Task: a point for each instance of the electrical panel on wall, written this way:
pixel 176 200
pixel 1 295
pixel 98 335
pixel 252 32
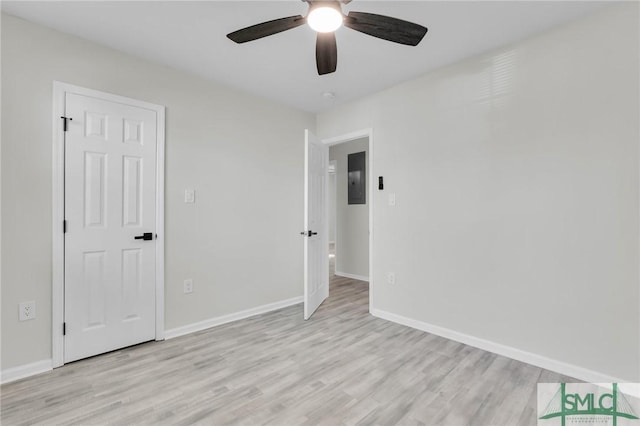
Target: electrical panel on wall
pixel 356 178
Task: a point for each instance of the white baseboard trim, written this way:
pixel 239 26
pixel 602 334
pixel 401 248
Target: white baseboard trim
pixel 22 371
pixel 212 322
pixel 499 349
pixel 352 276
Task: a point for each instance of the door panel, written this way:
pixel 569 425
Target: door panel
pixel 95 284
pixel 316 246
pixel 110 197
pixel 94 186
pixel 132 195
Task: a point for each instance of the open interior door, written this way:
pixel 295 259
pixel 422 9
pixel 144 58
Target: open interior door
pixel 316 242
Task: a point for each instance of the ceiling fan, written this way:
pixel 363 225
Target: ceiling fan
pixel 325 17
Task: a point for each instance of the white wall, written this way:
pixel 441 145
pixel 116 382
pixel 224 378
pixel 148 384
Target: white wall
pixel 352 220
pixel 517 183
pixel 239 152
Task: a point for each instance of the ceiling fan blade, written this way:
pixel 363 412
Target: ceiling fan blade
pixel 386 27
pixel 326 53
pixel 265 29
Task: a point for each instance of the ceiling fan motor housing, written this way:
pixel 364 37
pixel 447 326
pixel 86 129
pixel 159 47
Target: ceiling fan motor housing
pixel 335 4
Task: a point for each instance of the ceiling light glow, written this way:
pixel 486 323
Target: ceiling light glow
pixel 325 19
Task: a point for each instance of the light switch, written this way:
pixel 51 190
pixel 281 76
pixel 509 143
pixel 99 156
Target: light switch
pixel 392 200
pixel 189 195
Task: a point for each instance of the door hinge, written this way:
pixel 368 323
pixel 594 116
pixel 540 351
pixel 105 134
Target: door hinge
pixel 66 120
pixel 64 328
pixel 64 226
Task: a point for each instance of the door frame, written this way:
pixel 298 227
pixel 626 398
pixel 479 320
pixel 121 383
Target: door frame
pixel 60 90
pixel 348 137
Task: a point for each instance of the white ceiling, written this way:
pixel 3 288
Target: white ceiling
pixel 190 35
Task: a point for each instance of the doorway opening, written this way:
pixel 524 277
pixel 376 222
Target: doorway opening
pixel 350 193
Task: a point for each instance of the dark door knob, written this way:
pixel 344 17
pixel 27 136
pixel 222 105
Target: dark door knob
pixel 146 236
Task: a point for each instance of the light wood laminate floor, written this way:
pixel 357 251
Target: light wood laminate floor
pixel 342 367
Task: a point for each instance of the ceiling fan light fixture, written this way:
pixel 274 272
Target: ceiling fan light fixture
pixel 325 19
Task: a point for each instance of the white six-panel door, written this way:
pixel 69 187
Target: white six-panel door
pixel 110 191
pixel 316 246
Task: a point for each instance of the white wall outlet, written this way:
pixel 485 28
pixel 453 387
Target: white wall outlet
pixel 27 310
pixel 391 278
pixel 392 200
pixel 189 195
pixel 188 286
